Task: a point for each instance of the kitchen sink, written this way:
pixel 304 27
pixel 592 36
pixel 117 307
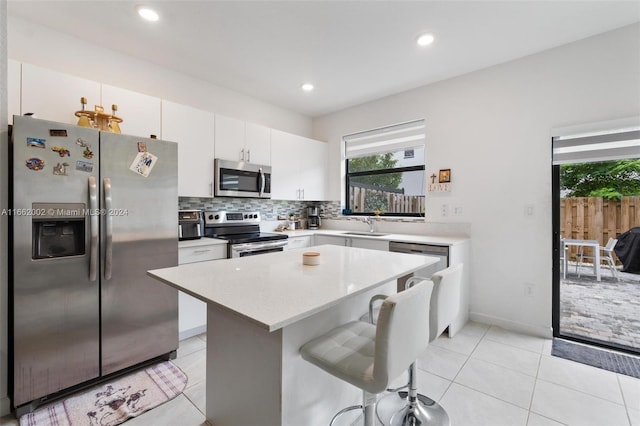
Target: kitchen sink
pixel 366 234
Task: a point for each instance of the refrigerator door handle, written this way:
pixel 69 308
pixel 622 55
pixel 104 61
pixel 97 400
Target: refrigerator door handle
pixel 108 204
pixel 93 229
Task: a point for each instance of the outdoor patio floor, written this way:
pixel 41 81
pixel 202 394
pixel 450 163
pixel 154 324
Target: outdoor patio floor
pixel 608 311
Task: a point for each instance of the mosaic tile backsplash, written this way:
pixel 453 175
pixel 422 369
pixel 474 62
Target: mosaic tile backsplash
pixel 269 209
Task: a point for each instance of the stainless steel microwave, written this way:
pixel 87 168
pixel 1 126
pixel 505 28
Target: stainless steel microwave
pixel 241 179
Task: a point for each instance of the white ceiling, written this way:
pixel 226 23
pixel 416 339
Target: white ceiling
pixel 353 51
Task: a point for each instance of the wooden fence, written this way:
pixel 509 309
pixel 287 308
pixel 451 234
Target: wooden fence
pixel 595 218
pixel 395 202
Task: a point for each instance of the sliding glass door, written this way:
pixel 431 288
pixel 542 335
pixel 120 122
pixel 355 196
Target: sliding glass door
pixel 596 244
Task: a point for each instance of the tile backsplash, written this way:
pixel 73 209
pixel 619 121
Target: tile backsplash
pixel 269 209
pixel 331 213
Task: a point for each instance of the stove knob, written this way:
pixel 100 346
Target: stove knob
pixel 217 217
pixel 211 216
pixel 255 216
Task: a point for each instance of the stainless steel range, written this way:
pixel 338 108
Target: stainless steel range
pixel 242 230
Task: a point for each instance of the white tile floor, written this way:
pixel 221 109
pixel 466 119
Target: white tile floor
pixel 483 376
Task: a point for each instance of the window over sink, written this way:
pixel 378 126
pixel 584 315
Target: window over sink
pixel 386 171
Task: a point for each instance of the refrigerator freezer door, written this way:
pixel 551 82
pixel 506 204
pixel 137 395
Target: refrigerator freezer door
pixel 55 303
pixel 139 229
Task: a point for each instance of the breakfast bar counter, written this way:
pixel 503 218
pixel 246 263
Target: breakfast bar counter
pixel 261 309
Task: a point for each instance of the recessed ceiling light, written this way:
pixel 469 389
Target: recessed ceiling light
pixel 307 87
pixel 425 39
pixel 147 13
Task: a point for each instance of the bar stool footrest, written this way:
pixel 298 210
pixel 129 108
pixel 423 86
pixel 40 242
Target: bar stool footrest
pixel 344 411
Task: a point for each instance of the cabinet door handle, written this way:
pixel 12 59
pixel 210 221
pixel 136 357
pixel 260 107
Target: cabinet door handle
pixel 248 155
pixel 211 188
pixel 242 154
pixel 201 251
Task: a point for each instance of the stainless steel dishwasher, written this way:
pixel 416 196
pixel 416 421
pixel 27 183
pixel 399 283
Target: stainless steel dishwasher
pixel 441 252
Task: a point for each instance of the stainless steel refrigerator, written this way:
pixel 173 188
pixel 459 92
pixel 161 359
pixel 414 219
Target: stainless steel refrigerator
pixel 91 213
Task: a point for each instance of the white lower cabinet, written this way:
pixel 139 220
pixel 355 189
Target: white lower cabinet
pixel 337 240
pixel 296 243
pixel 192 313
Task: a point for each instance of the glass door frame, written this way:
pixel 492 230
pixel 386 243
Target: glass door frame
pixel 556 274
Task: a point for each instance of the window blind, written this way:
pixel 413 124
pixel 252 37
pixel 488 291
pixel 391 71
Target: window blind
pixel 588 148
pixel 386 139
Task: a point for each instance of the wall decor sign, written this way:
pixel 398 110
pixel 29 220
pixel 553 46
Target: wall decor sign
pixel 444 176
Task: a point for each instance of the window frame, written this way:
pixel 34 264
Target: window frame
pixel 348 176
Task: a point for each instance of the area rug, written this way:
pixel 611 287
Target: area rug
pixel 597 357
pixel 113 402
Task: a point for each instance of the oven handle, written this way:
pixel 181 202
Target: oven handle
pixel 248 247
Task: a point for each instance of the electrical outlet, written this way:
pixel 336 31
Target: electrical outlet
pixel 457 210
pixel 528 209
pixel 444 210
pixel 275 211
pixel 528 289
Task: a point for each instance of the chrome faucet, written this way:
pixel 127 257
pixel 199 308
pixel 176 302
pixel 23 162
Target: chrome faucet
pixel 369 220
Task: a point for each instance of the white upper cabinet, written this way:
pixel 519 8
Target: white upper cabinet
pixel 229 138
pixel 193 130
pixel 55 96
pixel 140 113
pixel 299 167
pixel 257 144
pixel 236 140
pixel 13 89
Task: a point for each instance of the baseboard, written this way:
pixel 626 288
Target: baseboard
pixel 5 406
pixel 539 331
pixel 183 335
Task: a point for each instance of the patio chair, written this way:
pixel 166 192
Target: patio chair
pixel 606 254
pixel 564 260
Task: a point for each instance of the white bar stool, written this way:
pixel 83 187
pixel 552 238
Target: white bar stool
pixel 408 408
pixel 371 356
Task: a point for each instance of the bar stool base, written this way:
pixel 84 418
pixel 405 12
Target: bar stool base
pixel 394 410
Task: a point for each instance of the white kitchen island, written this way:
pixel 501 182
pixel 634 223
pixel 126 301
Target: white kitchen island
pixel 261 309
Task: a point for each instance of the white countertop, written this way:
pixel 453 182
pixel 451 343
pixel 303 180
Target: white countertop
pixel 274 290
pixel 201 242
pixel 407 238
pixel 419 239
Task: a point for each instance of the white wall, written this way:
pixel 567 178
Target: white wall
pixel 492 128
pixel 38 45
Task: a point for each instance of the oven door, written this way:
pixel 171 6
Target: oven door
pixel 233 179
pixel 252 249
